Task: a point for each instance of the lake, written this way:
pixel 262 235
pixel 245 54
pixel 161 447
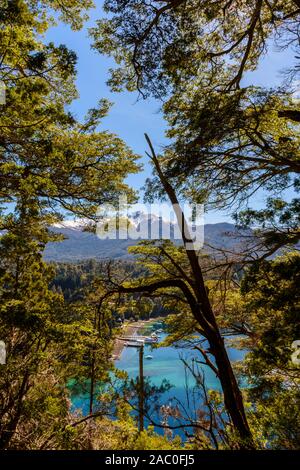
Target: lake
pixel 166 364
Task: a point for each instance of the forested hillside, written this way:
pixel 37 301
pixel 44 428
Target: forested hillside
pixel 78 244
pixel 72 306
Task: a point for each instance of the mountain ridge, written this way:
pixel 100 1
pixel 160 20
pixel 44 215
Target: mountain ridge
pixel 80 245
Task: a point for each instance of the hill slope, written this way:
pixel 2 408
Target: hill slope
pixel 80 245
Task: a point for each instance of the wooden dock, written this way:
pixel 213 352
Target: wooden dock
pixel 129 331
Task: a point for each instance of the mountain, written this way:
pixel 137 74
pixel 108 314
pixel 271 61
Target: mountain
pixel 80 244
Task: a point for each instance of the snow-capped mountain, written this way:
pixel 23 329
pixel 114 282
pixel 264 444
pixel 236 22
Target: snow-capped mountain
pixel 77 224
pixel 80 244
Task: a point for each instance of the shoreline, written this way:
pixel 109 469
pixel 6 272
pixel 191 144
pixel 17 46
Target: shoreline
pixel 129 329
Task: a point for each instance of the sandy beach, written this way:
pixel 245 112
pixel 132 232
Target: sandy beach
pixel 129 329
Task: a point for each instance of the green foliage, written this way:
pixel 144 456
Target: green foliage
pixel 276 419
pixel 227 141
pixel 74 279
pixel 45 154
pixel 266 313
pixel 48 343
pixel 160 47
pixel 41 14
pixel 49 164
pixel 33 323
pixel 270 292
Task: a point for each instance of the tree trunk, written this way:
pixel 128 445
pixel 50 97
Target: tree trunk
pixel 10 428
pixel 233 399
pixel 201 307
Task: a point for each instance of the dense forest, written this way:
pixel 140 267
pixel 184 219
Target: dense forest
pixel 229 142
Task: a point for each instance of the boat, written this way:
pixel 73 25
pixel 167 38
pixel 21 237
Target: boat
pixel 150 340
pixel 149 356
pixel 154 335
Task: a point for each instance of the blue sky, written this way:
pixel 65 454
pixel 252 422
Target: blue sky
pixel 130 117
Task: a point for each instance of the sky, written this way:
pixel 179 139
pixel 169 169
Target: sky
pixel 130 117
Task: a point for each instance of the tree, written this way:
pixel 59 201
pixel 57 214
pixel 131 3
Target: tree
pixel 268 305
pixel 228 142
pixel 50 165
pixel 45 153
pixel 32 325
pixel 190 283
pixel 180 40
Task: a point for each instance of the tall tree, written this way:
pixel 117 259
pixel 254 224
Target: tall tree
pixel 190 282
pixel 181 39
pixel 228 141
pixel 45 152
pixel 50 165
pixel 265 311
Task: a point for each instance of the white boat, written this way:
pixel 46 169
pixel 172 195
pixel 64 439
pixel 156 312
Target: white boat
pixel 151 340
pixel 154 335
pixel 149 356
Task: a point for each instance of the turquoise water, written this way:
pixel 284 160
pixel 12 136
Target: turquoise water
pixel 166 364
